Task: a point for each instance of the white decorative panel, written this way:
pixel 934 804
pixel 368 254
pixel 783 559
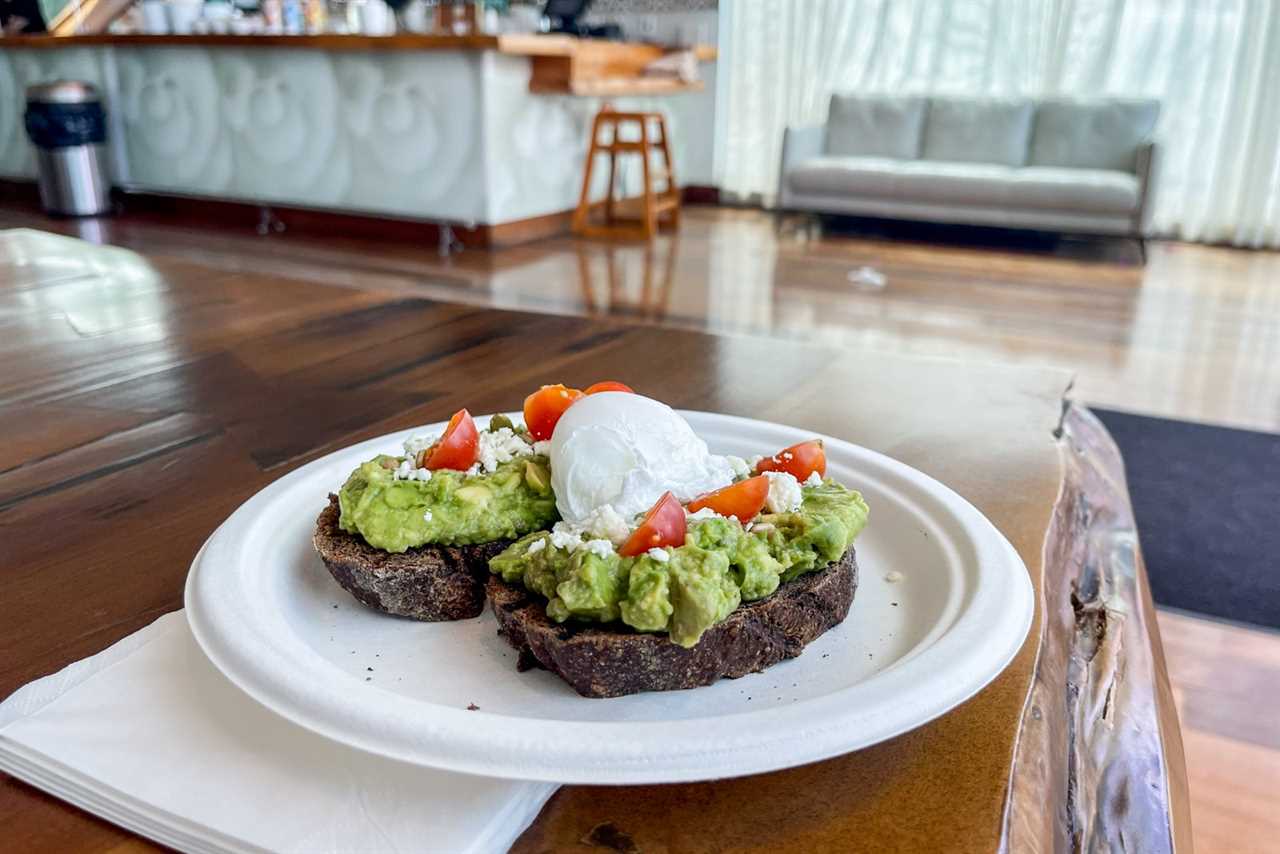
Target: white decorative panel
pixel 412 132
pixel 534 144
pixel 169 107
pixel 382 132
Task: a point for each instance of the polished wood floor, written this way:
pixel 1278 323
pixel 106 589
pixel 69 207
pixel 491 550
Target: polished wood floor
pixel 1194 334
pixel 1226 684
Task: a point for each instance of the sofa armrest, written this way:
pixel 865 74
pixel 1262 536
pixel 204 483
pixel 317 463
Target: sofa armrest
pixel 1144 167
pixel 798 145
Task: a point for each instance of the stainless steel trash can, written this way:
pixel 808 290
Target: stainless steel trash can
pixel 68 127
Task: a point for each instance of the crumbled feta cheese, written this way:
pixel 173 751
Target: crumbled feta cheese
pixel 542 447
pixel 604 524
pixel 752 462
pixel 407 470
pixel 500 446
pixel 784 492
pixel 893 576
pixel 426 516
pixel 607 523
pixel 414 445
pixel 704 513
pixel 814 479
pixel 536 546
pixel 600 548
pixel 565 536
pixel 739 466
pixel 660 555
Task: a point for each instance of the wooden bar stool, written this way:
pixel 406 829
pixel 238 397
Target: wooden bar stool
pixel 638 217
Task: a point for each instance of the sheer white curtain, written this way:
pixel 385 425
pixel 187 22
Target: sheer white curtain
pixel 1215 65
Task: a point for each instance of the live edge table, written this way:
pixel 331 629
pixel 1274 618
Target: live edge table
pixel 143 400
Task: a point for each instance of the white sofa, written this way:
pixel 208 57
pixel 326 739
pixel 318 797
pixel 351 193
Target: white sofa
pixel 1068 165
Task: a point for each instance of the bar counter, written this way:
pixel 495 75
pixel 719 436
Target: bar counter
pixel 475 130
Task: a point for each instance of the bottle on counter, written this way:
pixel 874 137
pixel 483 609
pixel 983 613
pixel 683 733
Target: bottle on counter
pixel 272 16
pixel 291 17
pixel 316 16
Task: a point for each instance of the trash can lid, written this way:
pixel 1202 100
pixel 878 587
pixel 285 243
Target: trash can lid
pixel 62 92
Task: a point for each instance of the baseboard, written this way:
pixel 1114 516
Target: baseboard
pixel 700 194
pixel 527 230
pixel 222 213
pixel 22 193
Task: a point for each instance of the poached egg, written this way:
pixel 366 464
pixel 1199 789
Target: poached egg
pixel 625 450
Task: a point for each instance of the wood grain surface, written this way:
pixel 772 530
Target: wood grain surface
pixel 144 399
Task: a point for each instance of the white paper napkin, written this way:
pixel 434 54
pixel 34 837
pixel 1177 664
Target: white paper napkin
pixel 148 735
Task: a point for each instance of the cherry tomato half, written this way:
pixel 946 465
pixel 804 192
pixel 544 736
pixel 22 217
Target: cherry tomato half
pixel 743 499
pixel 663 525
pixel 543 409
pixel 609 385
pixel 458 448
pixel 799 460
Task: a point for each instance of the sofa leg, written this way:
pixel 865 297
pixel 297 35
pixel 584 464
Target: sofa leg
pixel 779 221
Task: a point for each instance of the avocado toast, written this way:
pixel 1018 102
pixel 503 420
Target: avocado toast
pixel 615 661
pixel 411 535
pixel 721 598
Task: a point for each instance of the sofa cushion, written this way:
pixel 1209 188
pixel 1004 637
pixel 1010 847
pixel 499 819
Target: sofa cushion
pixel 1091 134
pixel 939 182
pixel 875 126
pixel 845 176
pixel 1053 188
pixel 978 130
pixel 967 184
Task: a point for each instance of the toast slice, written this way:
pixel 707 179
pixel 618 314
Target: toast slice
pixel 431 583
pixel 617 660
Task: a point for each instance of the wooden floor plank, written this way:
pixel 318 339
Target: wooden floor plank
pixel 1226 683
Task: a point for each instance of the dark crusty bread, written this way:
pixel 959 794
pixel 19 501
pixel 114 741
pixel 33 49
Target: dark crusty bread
pixel 431 583
pixel 611 662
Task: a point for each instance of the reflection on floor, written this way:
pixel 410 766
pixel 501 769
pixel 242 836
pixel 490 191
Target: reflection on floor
pixel 1194 334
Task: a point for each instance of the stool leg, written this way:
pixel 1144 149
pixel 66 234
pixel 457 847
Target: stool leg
pixel 672 187
pixel 584 200
pixel 613 175
pixel 650 215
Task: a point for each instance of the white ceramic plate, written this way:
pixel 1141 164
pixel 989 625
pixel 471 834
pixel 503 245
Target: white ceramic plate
pixel 268 614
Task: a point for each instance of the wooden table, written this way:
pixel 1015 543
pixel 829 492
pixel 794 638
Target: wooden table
pixel 142 400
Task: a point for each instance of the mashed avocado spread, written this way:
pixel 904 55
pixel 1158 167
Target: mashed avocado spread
pixel 698 584
pixel 395 513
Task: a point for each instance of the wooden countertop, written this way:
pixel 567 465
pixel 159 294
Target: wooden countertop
pixel 561 64
pixel 1074 746
pixel 519 45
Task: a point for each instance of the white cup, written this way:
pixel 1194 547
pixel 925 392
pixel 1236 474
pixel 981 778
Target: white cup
pixel 415 17
pixel 375 18
pixel 155 20
pixel 183 15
